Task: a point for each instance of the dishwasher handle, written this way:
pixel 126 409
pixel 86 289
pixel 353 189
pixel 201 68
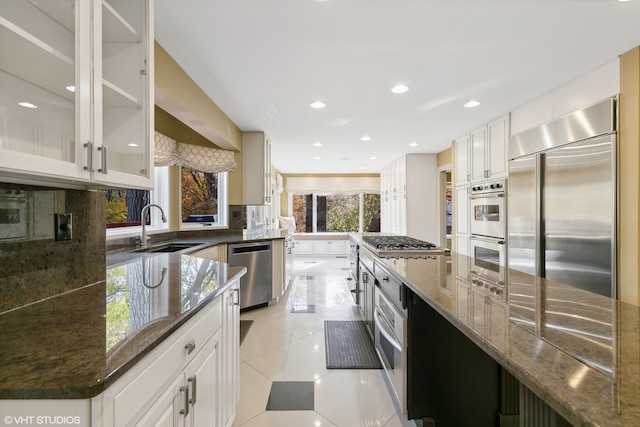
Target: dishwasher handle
pixel 243 249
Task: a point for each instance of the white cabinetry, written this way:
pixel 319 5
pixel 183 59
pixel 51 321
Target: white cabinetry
pixel 308 246
pixel 191 399
pixel 303 247
pixel 277 268
pixel 490 146
pixel 409 197
pixel 463 175
pixel 229 391
pixel 85 68
pixel 256 169
pixel 462 210
pixel 330 247
pixel 478 153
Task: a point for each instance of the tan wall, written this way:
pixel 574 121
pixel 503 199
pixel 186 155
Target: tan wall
pixel 445 158
pixel 629 161
pixel 181 97
pixel 178 95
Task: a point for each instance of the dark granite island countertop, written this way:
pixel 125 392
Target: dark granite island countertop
pixel 578 351
pixel 75 344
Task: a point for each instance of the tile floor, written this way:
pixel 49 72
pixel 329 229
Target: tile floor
pixel 283 359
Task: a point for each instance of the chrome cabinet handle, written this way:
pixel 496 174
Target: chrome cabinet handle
pixel 193 381
pixel 236 291
pixel 185 411
pixel 89 147
pixel 103 159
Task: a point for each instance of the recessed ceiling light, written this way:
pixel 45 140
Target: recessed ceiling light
pixel 316 158
pixel 27 104
pixel 132 144
pixel 70 88
pixel 365 138
pixel 317 144
pixel 413 144
pixel 623 1
pixel 373 158
pixel 317 105
pixel 472 103
pixel 400 88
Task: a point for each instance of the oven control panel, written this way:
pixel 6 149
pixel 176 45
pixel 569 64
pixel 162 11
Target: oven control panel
pixel 490 187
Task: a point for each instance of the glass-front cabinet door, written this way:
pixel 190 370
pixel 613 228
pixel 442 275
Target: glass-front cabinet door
pixel 75 99
pixel 42 93
pixel 122 56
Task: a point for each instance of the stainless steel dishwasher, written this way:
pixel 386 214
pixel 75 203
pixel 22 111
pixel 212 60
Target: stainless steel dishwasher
pixel 255 286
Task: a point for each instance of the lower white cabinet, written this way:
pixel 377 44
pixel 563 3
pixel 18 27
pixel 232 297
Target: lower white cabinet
pixel 192 379
pixel 229 390
pixel 321 247
pixel 172 384
pixel 192 398
pixel 330 247
pixel 303 247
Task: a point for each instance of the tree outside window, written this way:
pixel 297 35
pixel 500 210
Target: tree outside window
pixel 335 213
pixel 199 196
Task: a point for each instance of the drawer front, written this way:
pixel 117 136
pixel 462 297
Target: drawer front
pixel 137 389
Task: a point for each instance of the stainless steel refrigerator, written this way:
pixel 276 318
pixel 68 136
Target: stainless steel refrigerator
pixel 562 199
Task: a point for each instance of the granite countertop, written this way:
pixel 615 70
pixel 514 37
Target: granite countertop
pixel 75 344
pixel 578 351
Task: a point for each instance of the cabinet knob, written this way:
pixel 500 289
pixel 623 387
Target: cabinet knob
pixel 190 346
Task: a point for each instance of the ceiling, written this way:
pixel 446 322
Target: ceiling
pixel 263 62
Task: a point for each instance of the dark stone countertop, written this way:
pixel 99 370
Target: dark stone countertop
pixel 578 351
pixel 75 344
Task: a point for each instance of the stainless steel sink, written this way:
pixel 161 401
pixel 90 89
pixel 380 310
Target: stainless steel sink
pixel 170 247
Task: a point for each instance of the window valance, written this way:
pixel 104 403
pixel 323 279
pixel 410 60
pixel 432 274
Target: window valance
pixel 169 152
pixel 333 185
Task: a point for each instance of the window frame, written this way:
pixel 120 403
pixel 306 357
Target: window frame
pixel 223 206
pixel 159 197
pixel 314 197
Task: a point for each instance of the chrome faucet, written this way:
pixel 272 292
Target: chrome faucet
pixel 143 214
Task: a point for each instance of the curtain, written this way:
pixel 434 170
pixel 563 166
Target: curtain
pixel 333 185
pixel 169 152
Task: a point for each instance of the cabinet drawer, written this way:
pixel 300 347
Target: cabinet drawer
pixel 137 389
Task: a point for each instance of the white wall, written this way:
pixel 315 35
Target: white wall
pixel 589 89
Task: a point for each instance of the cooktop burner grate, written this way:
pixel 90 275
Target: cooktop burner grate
pixel 399 245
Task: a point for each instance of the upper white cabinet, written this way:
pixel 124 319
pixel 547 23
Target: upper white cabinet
pixel 497 152
pixel 483 154
pixel 478 146
pixel 408 202
pixel 490 145
pixel 75 79
pixel 256 169
pixel 463 174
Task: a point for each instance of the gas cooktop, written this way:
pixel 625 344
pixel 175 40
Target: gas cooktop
pixel 400 246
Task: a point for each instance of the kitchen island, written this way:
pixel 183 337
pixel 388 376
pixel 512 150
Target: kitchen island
pixel 82 353
pixel 577 351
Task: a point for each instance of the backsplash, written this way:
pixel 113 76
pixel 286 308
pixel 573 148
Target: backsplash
pixel 39 267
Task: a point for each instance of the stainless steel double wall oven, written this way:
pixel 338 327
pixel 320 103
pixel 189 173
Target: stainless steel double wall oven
pixel 488 249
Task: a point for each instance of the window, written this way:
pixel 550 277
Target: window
pixel 336 213
pixel 124 206
pixel 300 212
pixel 341 213
pixel 203 198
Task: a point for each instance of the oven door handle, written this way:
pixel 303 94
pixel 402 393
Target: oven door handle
pixel 487 240
pixel 486 195
pixel 382 327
